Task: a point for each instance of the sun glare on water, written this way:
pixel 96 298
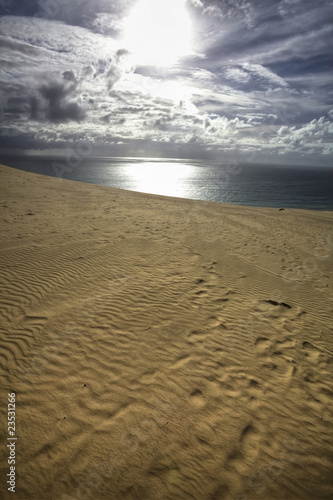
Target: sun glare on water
pixel 157 32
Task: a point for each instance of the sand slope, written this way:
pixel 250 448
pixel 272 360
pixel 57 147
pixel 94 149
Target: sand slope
pixel 163 348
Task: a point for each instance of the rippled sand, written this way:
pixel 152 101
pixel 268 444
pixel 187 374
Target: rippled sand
pixel 162 348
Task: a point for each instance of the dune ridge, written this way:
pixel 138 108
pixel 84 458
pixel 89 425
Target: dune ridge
pixel 163 348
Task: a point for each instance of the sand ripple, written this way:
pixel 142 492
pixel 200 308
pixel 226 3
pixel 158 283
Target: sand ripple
pixel 159 349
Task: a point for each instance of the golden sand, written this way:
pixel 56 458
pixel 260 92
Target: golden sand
pixel 162 348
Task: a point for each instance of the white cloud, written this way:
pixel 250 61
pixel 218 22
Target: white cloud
pixel 237 75
pixel 106 23
pixel 57 43
pixel 257 70
pixel 220 10
pixel 303 45
pixel 316 135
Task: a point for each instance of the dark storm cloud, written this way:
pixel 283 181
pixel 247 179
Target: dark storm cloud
pixel 54 101
pixel 57 105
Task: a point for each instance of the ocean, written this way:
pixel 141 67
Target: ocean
pixel 238 183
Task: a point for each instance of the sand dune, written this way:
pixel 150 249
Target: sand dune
pixel 162 348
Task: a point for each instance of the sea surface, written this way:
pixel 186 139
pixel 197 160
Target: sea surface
pixel 239 183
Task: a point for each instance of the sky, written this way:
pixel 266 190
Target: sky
pixel 247 80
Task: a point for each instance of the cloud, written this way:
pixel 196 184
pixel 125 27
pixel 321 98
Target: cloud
pixel 83 13
pixel 117 67
pixel 57 103
pixel 237 75
pixel 259 71
pixel 259 77
pixel 227 9
pixel 51 95
pixel 318 134
pixel 107 24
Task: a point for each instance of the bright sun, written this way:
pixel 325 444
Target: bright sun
pixel 157 32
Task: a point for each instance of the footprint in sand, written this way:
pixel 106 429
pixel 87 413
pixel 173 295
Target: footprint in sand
pixel 249 443
pixel 197 399
pixel 199 281
pixel 213 322
pixel 277 354
pixel 310 351
pixel 313 358
pixel 262 345
pixel 196 336
pixel 247 448
pixel 254 389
